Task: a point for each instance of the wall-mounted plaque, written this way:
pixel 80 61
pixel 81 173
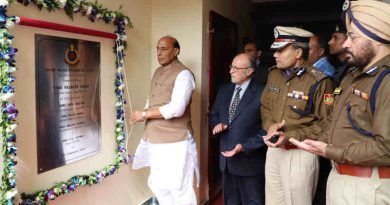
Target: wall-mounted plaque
pixel 68 100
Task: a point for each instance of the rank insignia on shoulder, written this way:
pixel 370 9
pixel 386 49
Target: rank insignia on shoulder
pixel 301 71
pixel 328 99
pixel 337 91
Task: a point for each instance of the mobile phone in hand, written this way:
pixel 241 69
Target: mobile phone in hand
pixel 274 139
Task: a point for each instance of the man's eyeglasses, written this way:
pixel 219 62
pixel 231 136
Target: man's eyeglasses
pixel 237 68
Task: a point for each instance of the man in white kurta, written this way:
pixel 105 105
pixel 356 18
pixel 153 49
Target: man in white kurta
pixel 167 145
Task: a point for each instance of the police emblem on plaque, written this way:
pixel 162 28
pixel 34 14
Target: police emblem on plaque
pixel 72 55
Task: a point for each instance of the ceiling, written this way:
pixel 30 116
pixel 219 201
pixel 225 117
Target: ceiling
pixel 317 16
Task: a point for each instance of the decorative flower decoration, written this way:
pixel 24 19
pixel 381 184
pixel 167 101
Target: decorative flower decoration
pixel 94 11
pixel 3 3
pixel 8 109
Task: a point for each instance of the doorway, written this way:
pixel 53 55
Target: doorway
pixel 222 49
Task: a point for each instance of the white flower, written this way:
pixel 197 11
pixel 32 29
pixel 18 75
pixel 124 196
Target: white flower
pixel 10 175
pixel 7 96
pixel 89 10
pixel 11 128
pixel 120 48
pixel 17 19
pixel 98 16
pixel 10 194
pixel 4 3
pixel 120 69
pixel 123 37
pixel 126 22
pixel 113 15
pixel 121 87
pixel 62 3
pixel 118 129
pixel 10 69
pixel 9 24
pixel 118 104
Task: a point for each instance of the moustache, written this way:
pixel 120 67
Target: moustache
pixel 348 52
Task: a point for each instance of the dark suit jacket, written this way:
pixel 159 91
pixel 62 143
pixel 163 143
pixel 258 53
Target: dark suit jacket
pixel 244 129
pixel 261 73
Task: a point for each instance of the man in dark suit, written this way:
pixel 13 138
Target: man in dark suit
pixel 261 69
pixel 235 116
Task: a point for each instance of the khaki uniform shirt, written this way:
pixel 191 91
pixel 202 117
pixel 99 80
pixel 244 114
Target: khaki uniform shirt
pixel 345 143
pixel 282 94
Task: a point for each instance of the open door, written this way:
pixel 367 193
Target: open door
pixel 222 49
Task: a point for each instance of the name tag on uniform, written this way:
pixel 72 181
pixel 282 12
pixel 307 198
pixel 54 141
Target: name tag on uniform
pixel 273 88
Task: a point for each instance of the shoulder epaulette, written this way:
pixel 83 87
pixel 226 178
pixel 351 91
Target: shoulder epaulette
pixel 317 74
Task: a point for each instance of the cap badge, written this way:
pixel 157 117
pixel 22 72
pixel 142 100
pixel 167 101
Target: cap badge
pixel 276 33
pixel 337 29
pixel 346 5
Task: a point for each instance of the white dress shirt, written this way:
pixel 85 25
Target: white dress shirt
pixel 181 95
pixel 244 86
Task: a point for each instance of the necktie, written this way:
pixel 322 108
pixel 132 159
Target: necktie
pixel 235 102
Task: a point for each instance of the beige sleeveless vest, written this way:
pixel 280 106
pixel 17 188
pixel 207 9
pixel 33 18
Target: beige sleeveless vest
pixel 161 130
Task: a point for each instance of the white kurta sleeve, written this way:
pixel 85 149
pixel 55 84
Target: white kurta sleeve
pixel 181 95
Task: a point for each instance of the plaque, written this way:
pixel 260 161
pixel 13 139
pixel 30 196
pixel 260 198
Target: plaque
pixel 67 100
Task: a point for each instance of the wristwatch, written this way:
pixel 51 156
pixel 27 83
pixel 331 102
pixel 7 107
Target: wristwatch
pixel 143 114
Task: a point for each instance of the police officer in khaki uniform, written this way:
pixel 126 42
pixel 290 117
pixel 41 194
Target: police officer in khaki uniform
pixel 294 104
pixel 358 137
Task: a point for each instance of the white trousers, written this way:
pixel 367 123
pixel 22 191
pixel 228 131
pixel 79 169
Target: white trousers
pixel 172 167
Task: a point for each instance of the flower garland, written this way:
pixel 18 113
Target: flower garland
pixel 8 109
pixel 8 124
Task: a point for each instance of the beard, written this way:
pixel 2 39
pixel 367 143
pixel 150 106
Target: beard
pixel 364 55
